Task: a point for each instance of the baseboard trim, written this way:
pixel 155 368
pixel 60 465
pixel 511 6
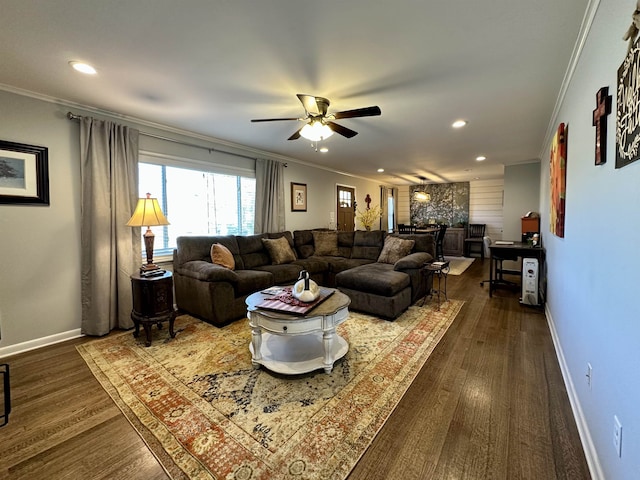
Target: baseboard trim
pixel 39 342
pixel 589 448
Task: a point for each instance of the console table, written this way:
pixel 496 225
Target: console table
pixel 453 242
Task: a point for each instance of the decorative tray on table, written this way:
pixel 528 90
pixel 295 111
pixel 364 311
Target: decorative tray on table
pixel 284 301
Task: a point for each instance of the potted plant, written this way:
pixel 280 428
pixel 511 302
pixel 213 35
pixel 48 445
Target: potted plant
pixel 369 216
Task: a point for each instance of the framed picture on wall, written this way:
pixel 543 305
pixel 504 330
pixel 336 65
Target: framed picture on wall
pixel 24 174
pixel 558 181
pixel 628 109
pixel 298 197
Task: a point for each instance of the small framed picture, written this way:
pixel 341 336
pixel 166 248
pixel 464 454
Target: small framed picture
pixel 298 197
pixel 24 174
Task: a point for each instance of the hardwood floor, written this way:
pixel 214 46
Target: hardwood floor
pixel 489 403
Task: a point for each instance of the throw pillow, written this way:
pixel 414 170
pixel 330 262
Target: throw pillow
pixel 221 255
pixel 394 249
pixel 325 243
pixel 279 250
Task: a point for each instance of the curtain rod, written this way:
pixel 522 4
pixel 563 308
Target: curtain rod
pixel 73 116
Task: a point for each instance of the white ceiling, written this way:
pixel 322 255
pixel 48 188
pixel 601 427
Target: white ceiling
pixel 211 66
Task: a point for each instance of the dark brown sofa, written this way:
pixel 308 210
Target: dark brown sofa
pixel 217 294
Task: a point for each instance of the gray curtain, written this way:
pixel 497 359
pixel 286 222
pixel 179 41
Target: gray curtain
pixel 269 196
pixel 111 251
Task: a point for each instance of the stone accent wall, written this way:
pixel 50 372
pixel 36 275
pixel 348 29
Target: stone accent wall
pixel 449 204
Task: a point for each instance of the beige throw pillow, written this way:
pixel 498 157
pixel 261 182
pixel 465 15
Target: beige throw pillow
pixel 279 250
pixel 221 255
pixel 394 249
pixel 325 243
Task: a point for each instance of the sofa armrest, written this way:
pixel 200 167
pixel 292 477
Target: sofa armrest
pixel 207 271
pixel 413 260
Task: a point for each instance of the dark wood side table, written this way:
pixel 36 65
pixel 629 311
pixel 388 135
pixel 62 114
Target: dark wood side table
pixel 152 303
pixel 439 270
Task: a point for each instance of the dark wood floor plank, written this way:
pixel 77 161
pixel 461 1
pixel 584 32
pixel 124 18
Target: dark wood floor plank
pixel 497 422
pixel 490 403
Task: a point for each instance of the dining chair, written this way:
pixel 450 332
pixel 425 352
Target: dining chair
pixel 475 235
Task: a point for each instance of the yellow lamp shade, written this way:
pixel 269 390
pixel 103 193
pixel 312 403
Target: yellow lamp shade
pixel 147 213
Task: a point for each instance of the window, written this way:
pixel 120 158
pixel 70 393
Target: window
pixel 197 202
pixel 390 212
pixel 345 198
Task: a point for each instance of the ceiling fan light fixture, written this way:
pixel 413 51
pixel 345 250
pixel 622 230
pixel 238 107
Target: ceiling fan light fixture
pixel 316 131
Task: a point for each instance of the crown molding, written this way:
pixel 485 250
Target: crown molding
pixel 212 141
pixel 585 28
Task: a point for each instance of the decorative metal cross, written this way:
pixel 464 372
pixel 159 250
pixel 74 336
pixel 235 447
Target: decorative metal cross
pixel 603 108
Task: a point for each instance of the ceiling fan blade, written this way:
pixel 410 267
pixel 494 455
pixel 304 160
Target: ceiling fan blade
pixel 273 119
pixel 359 112
pixel 314 105
pixel 296 135
pixel 344 131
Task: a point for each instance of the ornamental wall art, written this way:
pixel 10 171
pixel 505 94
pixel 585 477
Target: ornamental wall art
pixel 628 109
pixel 558 179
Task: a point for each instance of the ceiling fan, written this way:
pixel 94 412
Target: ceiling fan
pixel 319 125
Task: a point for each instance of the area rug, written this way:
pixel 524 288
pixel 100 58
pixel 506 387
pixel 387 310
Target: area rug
pixel 206 413
pixel 457 265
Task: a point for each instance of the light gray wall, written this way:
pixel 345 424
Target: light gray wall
pixel 521 195
pixel 40 246
pixel 321 195
pixel 592 272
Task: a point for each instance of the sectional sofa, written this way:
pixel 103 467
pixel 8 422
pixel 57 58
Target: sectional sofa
pixel 380 272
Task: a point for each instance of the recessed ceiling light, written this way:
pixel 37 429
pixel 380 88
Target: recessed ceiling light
pixel 83 68
pixel 459 123
pixel 481 158
pixel 324 149
pixel 380 170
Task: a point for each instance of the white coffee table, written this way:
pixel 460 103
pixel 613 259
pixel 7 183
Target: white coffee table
pixel 294 344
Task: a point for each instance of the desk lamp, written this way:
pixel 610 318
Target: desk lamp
pixel 147 214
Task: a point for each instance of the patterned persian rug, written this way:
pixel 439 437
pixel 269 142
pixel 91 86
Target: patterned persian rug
pixel 206 413
pixel 457 265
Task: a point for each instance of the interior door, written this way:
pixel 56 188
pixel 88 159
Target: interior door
pixel 346 209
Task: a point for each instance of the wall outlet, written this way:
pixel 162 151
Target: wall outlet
pixel 589 375
pixel 617 435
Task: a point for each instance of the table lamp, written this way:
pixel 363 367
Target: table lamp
pixel 147 214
